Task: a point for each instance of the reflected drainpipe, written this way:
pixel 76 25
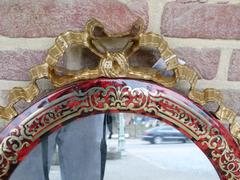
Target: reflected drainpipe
pixel 121 134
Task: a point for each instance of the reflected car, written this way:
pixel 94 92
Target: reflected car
pixel 161 134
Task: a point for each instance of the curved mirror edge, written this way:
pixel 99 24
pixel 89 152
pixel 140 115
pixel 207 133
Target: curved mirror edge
pixel 138 147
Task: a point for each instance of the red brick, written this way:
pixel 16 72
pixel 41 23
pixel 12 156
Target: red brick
pixel 201 20
pixel 234 68
pixel 14 65
pixel 27 18
pixel 232 100
pixel 204 60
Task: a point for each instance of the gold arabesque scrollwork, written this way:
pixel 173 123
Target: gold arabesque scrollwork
pixel 116 64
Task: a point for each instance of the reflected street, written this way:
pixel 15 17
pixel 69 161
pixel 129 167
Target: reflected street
pixel 167 161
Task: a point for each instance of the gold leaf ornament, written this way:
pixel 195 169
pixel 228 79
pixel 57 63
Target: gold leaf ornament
pixel 116 64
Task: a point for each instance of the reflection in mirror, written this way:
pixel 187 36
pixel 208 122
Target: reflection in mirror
pixel 138 148
pixel 151 149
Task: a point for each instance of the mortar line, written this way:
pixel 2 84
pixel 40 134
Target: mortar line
pixel 224 63
pixel 9 84
pixel 155 14
pixel 219 84
pixel 202 43
pixel 12 44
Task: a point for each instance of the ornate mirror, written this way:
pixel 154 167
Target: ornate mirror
pixel 117 84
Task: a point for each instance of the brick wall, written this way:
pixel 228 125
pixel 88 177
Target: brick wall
pixel 206 33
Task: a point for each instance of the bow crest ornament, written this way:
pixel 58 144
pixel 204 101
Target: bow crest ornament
pixel 116 65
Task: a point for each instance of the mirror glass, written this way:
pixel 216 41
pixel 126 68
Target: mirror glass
pixel 138 148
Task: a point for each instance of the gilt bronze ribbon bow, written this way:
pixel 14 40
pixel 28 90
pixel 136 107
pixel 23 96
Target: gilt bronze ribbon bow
pixel 116 65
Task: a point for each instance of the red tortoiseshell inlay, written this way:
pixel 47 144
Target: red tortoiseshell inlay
pixel 119 95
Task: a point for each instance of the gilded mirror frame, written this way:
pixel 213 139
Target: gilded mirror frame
pixel 116 86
